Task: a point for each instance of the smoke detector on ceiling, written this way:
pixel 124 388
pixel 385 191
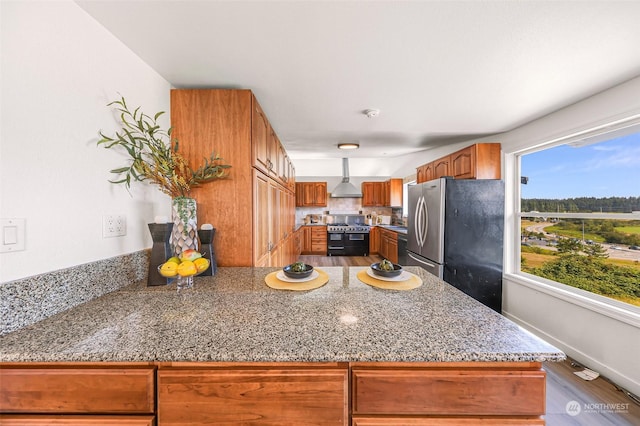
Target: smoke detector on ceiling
pixel 370 113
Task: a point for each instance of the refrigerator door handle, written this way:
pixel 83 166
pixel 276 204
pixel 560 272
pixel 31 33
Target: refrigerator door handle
pixel 416 220
pixel 422 261
pixel 425 213
pixel 421 221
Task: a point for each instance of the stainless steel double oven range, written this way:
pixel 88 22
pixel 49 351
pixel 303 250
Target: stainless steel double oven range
pixel 347 235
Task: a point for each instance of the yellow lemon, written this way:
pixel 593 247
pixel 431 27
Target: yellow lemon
pixel 174 260
pixel 187 268
pixel 201 264
pixel 169 269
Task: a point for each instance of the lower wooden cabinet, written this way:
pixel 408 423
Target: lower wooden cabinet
pixel 83 390
pixel 270 396
pixel 388 245
pixel 64 420
pixel 314 240
pixel 495 393
pixel 333 393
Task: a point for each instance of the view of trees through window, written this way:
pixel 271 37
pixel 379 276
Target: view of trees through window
pixel 580 216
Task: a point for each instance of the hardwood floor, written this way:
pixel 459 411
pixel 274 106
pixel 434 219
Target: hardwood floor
pixel 601 403
pixel 339 260
pixel 563 387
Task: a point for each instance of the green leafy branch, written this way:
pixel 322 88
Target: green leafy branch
pixel 153 159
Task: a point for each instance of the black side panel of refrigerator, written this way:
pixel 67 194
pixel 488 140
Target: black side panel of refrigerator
pixel 474 232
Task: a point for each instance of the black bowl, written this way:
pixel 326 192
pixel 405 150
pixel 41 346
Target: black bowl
pixel 297 275
pixel 397 270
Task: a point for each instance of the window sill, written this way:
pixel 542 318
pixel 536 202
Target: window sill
pixel 628 314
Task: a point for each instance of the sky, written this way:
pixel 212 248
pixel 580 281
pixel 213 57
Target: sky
pixel 606 169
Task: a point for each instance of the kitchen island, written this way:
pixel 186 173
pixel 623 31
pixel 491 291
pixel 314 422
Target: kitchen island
pixel 233 350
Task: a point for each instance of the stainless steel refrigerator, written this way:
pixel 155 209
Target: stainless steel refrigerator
pixel 456 230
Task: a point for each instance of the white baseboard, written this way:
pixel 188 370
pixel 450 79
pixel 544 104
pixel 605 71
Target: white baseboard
pixel 586 360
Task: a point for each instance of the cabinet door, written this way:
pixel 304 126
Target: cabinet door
pixel 77 390
pixel 273 154
pixel 261 219
pixel 395 193
pixel 449 392
pixel 320 194
pixel 392 250
pixel 253 396
pixel 300 187
pixel 78 420
pixel 374 240
pixel 441 167
pixel 367 194
pixel 420 174
pixel 463 163
pixel 260 133
pixel 429 173
pixel 306 240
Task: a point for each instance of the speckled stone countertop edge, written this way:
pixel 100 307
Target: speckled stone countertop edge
pixel 235 317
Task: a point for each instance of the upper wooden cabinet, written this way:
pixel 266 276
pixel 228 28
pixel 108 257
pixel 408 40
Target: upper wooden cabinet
pixel 382 194
pixel 232 124
pixel 311 194
pixel 479 161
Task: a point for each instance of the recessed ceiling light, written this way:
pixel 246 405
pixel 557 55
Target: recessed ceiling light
pixel 348 145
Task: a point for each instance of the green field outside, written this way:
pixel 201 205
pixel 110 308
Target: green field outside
pixel 628 229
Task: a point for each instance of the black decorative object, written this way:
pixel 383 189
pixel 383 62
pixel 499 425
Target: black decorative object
pixel 160 252
pixel 206 248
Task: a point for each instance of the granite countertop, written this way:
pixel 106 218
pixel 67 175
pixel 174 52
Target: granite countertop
pixel 395 228
pixel 234 316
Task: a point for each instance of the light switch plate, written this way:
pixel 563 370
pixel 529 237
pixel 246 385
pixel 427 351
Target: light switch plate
pixel 12 235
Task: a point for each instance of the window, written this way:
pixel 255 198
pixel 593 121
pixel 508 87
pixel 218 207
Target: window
pixel 580 215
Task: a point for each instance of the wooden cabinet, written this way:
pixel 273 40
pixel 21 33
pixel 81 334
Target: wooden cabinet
pixel 372 194
pixel 441 167
pixel 319 240
pixel 479 161
pixel 314 240
pixel 74 420
pixel 382 194
pixel 84 394
pixel 374 240
pixel 311 194
pixel 373 393
pixel 388 245
pixel 232 124
pixel 456 393
pixel 257 394
pixel 306 239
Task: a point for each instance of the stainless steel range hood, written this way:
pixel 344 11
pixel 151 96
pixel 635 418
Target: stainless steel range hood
pixel 345 189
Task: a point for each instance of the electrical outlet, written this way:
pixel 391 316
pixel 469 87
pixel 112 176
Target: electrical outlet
pixel 114 226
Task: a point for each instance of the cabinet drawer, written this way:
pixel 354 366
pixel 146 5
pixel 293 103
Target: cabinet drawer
pixel 77 390
pixel 265 396
pixel 449 392
pixel 42 420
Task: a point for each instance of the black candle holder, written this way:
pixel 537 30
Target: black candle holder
pixel 206 247
pixel 160 252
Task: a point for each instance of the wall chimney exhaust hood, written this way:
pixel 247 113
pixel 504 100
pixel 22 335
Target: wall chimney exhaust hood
pixel 345 189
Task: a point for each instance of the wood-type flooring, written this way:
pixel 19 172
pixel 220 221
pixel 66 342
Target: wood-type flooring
pixel 571 401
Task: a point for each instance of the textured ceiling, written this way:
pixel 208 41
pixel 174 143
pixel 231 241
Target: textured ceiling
pixel 439 71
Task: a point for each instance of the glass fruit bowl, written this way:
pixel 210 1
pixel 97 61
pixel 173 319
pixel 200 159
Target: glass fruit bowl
pixel 184 276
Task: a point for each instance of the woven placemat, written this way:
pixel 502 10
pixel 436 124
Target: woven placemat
pixel 275 283
pixel 409 284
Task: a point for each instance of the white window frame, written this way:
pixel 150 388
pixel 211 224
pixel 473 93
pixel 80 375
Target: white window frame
pixel 612 308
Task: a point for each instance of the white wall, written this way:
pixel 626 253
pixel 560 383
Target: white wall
pixel 59 70
pixel 599 338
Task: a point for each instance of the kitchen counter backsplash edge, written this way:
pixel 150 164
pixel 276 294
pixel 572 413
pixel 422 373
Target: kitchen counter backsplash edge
pixel 26 301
